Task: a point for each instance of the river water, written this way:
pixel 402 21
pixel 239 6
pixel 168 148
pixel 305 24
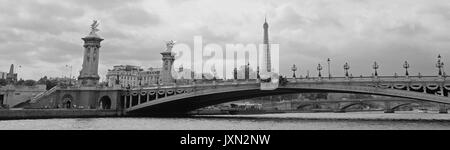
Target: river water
pixel 288 121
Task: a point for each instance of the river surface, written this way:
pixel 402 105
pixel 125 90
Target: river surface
pixel 287 121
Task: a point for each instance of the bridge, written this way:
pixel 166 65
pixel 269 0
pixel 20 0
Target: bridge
pixel 184 98
pixel 168 98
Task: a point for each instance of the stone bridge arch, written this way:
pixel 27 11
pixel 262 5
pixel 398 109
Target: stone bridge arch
pixel 396 107
pixel 203 97
pixel 302 106
pixel 105 102
pixel 345 107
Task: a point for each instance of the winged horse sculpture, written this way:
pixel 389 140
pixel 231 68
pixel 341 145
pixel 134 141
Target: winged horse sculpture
pixel 94 27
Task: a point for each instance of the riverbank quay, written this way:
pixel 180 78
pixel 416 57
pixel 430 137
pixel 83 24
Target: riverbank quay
pixel 8 114
pixel 357 116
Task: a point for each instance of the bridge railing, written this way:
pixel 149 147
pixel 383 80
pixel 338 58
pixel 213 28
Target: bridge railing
pixel 358 100
pixel 371 78
pixel 219 82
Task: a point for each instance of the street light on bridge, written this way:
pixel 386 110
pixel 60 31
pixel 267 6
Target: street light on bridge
pixel 319 68
pixel 293 68
pixel 307 74
pixel 140 80
pixel 375 66
pixel 406 66
pixel 329 72
pixel 439 65
pixel 70 77
pixel 346 67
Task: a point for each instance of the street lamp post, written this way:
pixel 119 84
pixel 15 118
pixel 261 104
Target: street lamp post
pixel 294 68
pixel 140 81
pixel 213 69
pixel 329 72
pixel 319 68
pixel 439 65
pixel 346 67
pixel 70 77
pixel 406 66
pixel 307 74
pixel 375 66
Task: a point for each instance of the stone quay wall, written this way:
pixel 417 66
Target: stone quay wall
pixel 56 113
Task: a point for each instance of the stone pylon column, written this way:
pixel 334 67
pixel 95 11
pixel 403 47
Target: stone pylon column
pixel 89 72
pixel 168 59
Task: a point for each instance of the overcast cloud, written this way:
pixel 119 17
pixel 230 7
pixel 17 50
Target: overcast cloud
pixel 44 35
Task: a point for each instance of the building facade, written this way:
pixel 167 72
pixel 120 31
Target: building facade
pixel 132 76
pixel 135 76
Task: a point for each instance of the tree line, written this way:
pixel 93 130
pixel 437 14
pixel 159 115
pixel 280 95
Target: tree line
pixel 50 83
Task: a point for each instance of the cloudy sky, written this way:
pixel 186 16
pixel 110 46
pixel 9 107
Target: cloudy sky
pixel 42 36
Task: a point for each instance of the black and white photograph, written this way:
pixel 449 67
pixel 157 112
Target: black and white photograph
pixel 224 65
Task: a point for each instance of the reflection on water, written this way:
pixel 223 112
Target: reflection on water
pixel 300 121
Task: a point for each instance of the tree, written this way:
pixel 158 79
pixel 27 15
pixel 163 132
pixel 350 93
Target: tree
pixel 51 83
pixel 29 83
pixel 42 80
pixel 20 82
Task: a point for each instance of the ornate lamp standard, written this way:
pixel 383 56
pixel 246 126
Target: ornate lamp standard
pixel 439 65
pixel 213 69
pixel 294 69
pixel 307 74
pixel 375 66
pixel 70 77
pixel 406 66
pixel 319 68
pixel 346 67
pixel 329 72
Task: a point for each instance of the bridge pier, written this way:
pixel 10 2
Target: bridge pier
pixel 443 109
pixel 131 101
pixel 388 108
pixel 124 102
pixel 389 111
pixel 337 108
pixel 139 98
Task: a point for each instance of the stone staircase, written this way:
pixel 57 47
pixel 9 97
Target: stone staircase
pixel 43 94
